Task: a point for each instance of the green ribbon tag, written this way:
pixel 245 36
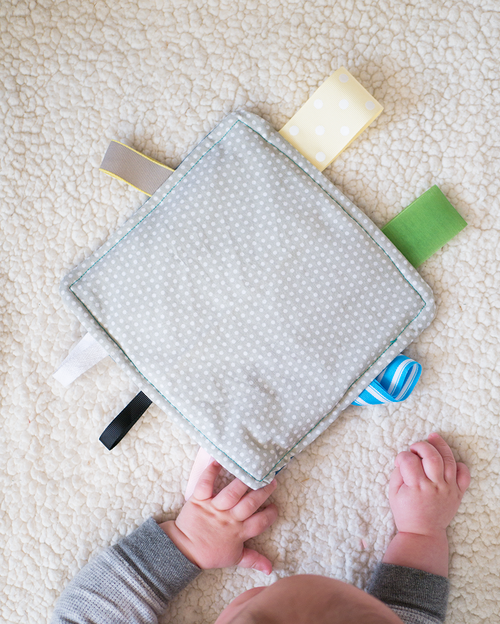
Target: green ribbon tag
pixel 424 227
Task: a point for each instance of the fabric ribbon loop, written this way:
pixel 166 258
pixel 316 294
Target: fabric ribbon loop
pixel 84 355
pixel 424 226
pixel 127 164
pixel 394 384
pixel 331 119
pixel 126 419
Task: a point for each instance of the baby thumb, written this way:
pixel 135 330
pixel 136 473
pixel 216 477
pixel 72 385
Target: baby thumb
pixel 253 559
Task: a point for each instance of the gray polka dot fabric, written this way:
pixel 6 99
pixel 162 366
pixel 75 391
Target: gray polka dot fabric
pixel 250 299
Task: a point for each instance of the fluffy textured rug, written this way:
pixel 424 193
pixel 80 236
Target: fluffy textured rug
pixel 161 75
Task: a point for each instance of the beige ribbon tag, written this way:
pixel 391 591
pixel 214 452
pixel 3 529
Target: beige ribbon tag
pixel 337 112
pixel 142 172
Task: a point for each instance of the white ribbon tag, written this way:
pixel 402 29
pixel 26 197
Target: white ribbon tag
pixel 86 354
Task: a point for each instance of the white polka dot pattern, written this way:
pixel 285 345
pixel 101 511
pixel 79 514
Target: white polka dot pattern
pixel 252 296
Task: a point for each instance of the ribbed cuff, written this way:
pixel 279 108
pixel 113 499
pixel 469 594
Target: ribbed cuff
pixel 157 560
pixel 411 588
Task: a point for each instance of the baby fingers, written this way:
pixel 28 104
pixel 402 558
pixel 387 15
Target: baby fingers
pixel 205 486
pixel 230 495
pixel 259 522
pixel 432 460
pixel 395 482
pixel 252 501
pixel 410 468
pixel 449 464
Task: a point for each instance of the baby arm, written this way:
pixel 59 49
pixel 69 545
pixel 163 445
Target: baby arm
pixel 132 582
pixel 425 491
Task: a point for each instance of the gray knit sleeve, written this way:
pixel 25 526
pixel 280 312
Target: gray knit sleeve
pixel 129 583
pixel 417 597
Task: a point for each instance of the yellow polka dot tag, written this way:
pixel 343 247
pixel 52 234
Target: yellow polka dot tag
pixel 337 112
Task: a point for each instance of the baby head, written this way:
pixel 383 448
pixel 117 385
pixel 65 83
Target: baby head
pixel 307 598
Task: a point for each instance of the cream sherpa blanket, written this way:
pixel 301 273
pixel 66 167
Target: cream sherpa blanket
pixel 162 74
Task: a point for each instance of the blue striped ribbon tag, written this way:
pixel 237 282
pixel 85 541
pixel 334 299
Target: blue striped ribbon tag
pixel 394 384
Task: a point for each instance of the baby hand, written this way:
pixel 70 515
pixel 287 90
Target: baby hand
pixel 426 487
pixel 211 530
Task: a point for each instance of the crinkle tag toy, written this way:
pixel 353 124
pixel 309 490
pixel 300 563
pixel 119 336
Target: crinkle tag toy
pixel 250 299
